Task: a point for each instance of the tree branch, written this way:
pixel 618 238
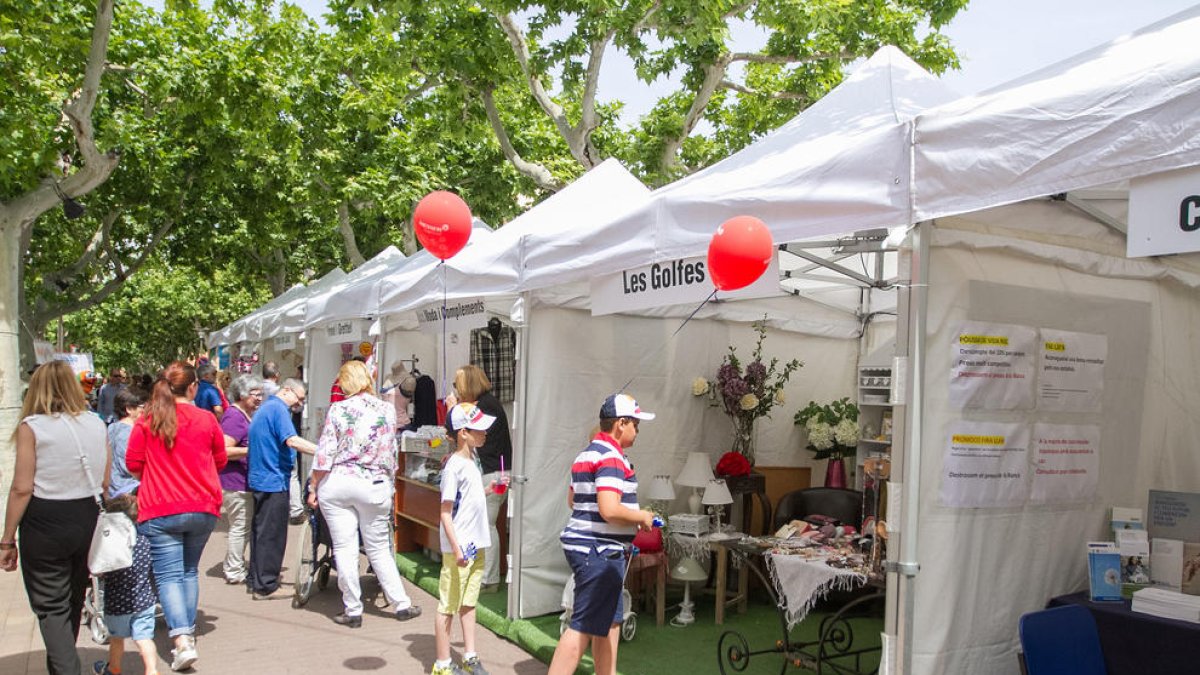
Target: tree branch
pixel 98 242
pixel 20 213
pixel 714 73
pixel 429 83
pixel 778 95
pixel 647 20
pixel 540 174
pixel 587 118
pixel 576 141
pixel 347 232
pixel 757 57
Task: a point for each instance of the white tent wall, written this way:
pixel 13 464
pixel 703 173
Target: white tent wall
pixel 982 568
pixel 577 360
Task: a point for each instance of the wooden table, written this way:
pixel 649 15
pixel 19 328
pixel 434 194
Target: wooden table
pixel 738 599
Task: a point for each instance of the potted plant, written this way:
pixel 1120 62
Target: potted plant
pixel 832 430
pixel 746 392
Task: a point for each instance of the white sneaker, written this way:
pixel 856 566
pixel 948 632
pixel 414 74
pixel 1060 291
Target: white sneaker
pixel 182 658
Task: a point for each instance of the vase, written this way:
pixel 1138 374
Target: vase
pixel 743 439
pixel 835 473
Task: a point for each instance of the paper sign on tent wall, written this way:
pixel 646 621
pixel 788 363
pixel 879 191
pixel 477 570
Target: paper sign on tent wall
pixel 1071 378
pixel 1066 462
pixel 675 282
pixel 993 366
pixel 1164 213
pixel 285 341
pixel 985 465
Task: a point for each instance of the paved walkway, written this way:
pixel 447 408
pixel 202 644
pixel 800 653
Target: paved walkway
pixel 239 635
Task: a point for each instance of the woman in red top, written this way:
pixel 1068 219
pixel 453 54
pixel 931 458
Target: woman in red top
pixel 176 449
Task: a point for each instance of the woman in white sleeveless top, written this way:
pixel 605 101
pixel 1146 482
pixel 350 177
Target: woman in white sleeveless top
pixel 52 506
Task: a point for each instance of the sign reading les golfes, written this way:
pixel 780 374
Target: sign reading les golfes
pixel 671 282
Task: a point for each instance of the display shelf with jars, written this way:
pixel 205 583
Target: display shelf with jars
pixel 875 416
pixel 417 506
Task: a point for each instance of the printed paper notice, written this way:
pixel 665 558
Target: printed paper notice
pixel 985 465
pixel 1072 375
pixel 1066 462
pixel 993 367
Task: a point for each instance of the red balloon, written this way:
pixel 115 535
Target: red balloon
pixel 442 221
pixel 739 253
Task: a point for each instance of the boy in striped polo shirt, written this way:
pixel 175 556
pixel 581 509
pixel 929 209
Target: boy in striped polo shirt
pixel 604 518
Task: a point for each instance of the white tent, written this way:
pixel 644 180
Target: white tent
pixel 236 331
pixel 356 294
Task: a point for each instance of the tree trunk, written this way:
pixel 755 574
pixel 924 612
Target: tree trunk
pixel 10 356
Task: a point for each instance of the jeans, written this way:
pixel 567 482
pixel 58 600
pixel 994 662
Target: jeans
pixel 354 505
pixel 176 543
pixel 238 509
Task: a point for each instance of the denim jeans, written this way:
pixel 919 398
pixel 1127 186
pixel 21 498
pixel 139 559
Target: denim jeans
pixel 176 543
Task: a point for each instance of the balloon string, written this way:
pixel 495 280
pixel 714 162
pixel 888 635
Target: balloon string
pixel 442 264
pixel 646 359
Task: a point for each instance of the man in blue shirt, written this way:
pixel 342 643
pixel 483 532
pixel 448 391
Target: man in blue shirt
pixel 273 447
pixel 207 396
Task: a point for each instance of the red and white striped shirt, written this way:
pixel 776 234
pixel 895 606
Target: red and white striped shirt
pixel 601 466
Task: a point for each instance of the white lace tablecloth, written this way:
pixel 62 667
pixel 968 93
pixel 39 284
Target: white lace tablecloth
pixel 801 583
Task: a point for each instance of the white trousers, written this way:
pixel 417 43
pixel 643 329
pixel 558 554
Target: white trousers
pixel 491 562
pixel 238 510
pixel 354 505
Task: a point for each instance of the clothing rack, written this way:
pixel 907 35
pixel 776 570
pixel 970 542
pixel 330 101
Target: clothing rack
pixel 412 364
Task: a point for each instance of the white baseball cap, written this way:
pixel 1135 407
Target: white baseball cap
pixel 623 405
pixel 469 416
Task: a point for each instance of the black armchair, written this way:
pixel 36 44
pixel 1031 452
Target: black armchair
pixel 844 505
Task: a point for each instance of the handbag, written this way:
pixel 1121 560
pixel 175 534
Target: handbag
pixel 115 534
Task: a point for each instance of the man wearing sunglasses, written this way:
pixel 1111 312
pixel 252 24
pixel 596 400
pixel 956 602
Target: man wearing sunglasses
pixel 273 447
pixel 604 518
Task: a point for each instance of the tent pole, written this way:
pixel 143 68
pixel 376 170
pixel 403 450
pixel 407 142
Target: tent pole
pixel 516 499
pixel 904 564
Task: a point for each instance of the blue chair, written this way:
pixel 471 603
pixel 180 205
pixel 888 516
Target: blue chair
pixel 1061 640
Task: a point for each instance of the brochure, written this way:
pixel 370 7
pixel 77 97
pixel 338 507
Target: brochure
pixel 1104 571
pixel 1126 519
pixel 1135 560
pixel 1166 563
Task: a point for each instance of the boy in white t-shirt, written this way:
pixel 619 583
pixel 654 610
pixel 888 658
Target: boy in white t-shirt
pixel 465 539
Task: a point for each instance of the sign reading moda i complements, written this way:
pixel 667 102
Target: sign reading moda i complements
pixel 1164 213
pixel 985 465
pixel 1066 462
pixel 1072 371
pixel 459 315
pixel 675 282
pixel 993 367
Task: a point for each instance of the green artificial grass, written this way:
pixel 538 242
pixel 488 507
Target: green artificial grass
pixel 667 650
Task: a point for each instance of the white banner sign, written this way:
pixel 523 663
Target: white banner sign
pixel 285 341
pixel 1072 374
pixel 80 362
pixel 1164 213
pixel 985 465
pixel 675 282
pixel 993 367
pixel 459 315
pixel 43 351
pixel 353 330
pixel 1066 459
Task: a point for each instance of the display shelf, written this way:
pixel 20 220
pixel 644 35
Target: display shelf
pixel 875 410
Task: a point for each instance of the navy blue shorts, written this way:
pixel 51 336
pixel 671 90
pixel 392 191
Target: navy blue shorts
pixel 599 580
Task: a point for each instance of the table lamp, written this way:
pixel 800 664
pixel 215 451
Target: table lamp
pixel 687 570
pixel 660 493
pixel 716 496
pixel 697 471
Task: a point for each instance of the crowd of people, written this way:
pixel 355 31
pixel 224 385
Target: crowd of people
pixel 196 446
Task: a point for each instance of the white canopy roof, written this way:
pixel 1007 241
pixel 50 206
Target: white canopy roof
pixel 1120 110
pixel 240 330
pixel 492 265
pixel 355 295
pixel 289 317
pixel 841 165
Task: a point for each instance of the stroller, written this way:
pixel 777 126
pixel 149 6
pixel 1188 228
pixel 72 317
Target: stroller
pixel 315 557
pixel 628 616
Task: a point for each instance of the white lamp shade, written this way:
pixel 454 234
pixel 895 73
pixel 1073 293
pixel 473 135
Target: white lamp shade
pixel 688 569
pixel 661 489
pixel 717 492
pixel 696 472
